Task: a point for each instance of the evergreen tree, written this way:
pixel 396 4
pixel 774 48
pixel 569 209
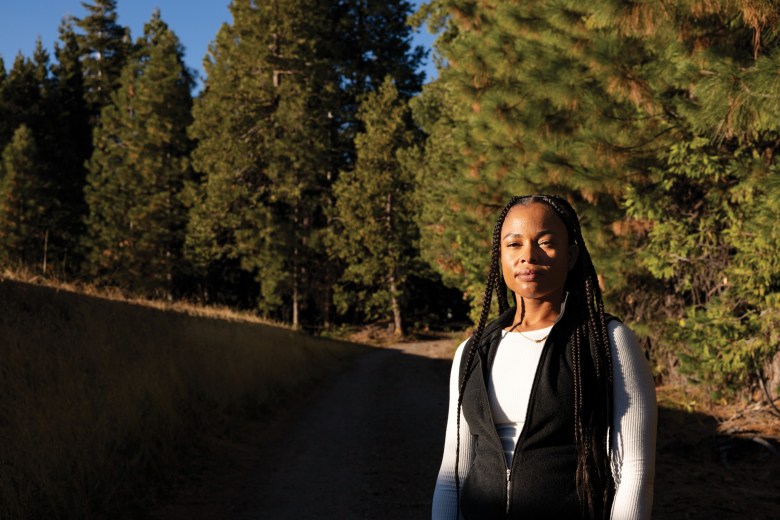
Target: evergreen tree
pixel 447 226
pixel 23 211
pixel 710 208
pixel 264 128
pixel 656 122
pixel 137 172
pixel 27 98
pixel 4 111
pixel 375 231
pixel 104 46
pixel 549 112
pixel 72 146
pixel 275 125
pixel 21 98
pixel 376 42
pixel 373 41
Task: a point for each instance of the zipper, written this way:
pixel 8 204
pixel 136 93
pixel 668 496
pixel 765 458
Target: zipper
pixel 486 404
pixel 521 437
pixel 508 488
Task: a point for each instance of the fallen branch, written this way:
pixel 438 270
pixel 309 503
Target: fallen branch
pixel 766 444
pixel 766 394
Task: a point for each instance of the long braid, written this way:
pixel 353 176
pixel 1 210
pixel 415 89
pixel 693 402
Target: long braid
pixel 495 280
pixel 579 434
pixel 592 412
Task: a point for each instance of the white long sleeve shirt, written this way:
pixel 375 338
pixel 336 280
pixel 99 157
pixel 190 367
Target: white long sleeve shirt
pixel 632 433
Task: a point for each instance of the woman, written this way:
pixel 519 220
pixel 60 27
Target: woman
pixel 552 405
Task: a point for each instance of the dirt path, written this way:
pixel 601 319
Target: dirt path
pixel 366 445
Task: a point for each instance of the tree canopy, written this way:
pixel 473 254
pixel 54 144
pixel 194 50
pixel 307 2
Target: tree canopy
pixel 298 184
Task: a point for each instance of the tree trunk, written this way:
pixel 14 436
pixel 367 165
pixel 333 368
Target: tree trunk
pixel 295 296
pixel 398 331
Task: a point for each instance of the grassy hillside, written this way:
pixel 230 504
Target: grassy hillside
pixel 100 400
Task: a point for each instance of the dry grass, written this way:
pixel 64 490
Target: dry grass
pixel 114 293
pixel 102 399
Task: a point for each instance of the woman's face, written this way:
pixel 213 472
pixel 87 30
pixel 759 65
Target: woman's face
pixel 535 252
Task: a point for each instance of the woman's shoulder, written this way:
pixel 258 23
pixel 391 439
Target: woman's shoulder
pixel 620 334
pixel 460 349
pixel 626 349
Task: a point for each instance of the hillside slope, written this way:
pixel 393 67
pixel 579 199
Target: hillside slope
pixel 103 399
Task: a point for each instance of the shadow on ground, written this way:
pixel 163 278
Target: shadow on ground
pixel 368 444
pixel 703 474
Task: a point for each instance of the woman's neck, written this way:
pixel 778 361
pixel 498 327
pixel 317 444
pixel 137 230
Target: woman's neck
pixel 538 314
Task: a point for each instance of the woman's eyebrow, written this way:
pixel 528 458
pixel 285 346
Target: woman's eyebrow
pixel 519 235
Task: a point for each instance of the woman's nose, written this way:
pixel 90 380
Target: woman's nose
pixel 527 254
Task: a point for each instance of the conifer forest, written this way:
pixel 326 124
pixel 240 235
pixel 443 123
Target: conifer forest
pixel 318 179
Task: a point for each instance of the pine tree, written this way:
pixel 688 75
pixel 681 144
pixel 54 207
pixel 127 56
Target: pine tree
pixel 23 210
pixel 445 215
pixel 371 40
pixel 104 46
pixel 376 42
pixel 275 125
pixel 374 211
pixel 27 98
pixel 713 239
pixel 543 106
pixel 20 98
pixel 138 169
pixel 71 147
pixel 4 109
pixel 264 128
pixel 656 122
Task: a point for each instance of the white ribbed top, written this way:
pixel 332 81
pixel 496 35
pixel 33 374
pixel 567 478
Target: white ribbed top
pixel 632 435
pixel 510 382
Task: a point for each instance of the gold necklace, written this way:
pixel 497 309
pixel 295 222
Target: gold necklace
pixel 526 337
pixel 532 339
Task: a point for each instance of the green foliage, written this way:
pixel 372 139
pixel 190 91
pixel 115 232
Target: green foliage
pixel 715 240
pixel 264 132
pixel 105 45
pixel 656 121
pixel 687 242
pixel 23 202
pixel 21 97
pixel 135 227
pixel 722 350
pixel 49 101
pixel 71 138
pixel 531 100
pixel 274 126
pixel 374 230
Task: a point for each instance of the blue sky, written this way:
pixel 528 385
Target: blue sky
pixel 195 23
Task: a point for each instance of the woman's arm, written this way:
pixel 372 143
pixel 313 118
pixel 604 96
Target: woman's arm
pixel 634 423
pixel 445 495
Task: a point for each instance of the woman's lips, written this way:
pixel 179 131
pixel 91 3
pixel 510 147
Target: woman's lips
pixel 528 275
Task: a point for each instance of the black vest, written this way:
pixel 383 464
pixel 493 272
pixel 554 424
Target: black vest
pixel 542 480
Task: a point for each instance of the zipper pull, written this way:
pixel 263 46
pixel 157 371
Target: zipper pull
pixel 508 488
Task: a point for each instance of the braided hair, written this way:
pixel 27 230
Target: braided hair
pixel 591 358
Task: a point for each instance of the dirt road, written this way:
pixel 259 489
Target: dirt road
pixel 366 445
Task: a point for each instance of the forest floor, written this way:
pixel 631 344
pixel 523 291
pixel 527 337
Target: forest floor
pixel 368 444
